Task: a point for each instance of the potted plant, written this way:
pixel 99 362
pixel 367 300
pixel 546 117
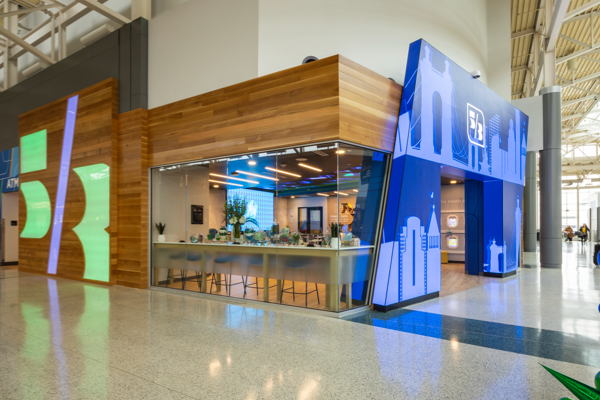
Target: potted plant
pixel 335 240
pixel 235 215
pixel 296 238
pixel 161 230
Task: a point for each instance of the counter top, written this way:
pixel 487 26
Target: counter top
pixel 241 246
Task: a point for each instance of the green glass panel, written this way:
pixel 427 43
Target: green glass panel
pixel 33 152
pixel 39 213
pixel 579 389
pixel 91 230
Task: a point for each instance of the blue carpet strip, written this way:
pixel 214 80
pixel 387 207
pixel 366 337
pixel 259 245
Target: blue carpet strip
pixel 536 342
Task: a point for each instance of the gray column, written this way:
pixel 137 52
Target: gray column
pixel 530 194
pixel 550 181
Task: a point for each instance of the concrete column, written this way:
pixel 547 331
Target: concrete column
pixel 550 181
pixel 530 194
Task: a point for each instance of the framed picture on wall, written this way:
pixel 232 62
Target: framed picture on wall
pixel 197 215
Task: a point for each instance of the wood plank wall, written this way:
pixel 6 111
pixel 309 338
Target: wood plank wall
pixel 133 199
pixel 333 98
pixel 369 106
pixel 94 140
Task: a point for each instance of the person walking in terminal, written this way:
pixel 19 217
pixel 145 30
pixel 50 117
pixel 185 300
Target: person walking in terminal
pixel 584 231
pixel 569 231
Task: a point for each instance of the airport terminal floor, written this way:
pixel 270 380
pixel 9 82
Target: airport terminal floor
pixel 85 341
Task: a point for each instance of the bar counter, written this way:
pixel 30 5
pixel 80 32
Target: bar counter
pixel 330 266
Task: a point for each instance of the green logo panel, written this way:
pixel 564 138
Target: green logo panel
pixel 33 152
pixel 39 212
pixel 91 230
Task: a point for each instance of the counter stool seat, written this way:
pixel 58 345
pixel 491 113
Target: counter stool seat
pixel 182 273
pixel 256 261
pixel 296 263
pixel 220 260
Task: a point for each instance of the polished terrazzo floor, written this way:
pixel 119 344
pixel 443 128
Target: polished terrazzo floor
pixel 62 339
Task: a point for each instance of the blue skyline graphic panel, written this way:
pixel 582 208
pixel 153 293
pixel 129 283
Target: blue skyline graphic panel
pixel 449 117
pixel 260 207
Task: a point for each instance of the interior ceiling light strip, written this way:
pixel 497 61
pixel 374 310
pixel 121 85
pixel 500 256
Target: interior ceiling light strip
pixel 309 167
pixel 355 190
pixel 283 172
pixel 226 183
pixel 63 180
pixel 342 193
pixel 322 194
pixel 257 175
pixel 235 179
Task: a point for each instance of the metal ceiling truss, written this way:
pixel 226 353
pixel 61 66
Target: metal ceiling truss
pixel 54 28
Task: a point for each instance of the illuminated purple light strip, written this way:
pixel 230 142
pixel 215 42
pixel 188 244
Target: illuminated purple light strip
pixel 63 180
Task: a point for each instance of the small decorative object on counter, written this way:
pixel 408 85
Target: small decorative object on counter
pixel 212 234
pixel 194 239
pixel 223 233
pixel 249 233
pixel 259 236
pixel 296 238
pixel 274 230
pixel 335 240
pixel 285 231
pixel 327 239
pixel 201 238
pixel 355 242
pixel 161 229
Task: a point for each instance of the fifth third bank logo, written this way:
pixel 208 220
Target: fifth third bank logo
pixel 476 125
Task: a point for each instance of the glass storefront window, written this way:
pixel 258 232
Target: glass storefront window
pixel 294 226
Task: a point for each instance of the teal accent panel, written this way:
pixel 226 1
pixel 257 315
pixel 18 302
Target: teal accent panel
pixel 91 230
pixel 39 212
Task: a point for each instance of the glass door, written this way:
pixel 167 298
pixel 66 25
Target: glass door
pixel 310 220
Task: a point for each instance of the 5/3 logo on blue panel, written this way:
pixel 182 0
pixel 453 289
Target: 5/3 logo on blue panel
pixel 476 125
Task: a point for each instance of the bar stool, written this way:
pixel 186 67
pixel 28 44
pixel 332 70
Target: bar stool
pixel 297 263
pixel 255 263
pixel 221 262
pixel 194 258
pixel 182 272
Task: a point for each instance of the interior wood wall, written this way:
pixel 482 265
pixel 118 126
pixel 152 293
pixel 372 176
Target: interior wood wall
pixel 333 98
pixel 94 142
pixel 132 202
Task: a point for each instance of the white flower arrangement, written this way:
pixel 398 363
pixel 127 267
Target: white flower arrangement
pixel 242 220
pixel 233 220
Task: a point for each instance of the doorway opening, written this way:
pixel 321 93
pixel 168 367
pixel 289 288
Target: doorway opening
pixel 460 229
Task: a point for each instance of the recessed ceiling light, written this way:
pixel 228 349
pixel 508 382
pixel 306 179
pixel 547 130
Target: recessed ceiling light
pixel 251 162
pixel 283 172
pixel 293 197
pixel 225 183
pixel 355 190
pixel 215 186
pixel 301 159
pixel 342 193
pixel 260 176
pixel 453 182
pixel 341 151
pixel 235 179
pixel 322 194
pixel 308 166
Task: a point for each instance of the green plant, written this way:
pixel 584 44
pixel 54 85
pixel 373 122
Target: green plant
pixel 334 228
pixel 296 238
pixel 160 228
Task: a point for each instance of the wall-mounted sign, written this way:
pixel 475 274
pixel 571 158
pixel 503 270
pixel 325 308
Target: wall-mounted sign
pixel 197 215
pixel 10 185
pixel 452 242
pixel 452 221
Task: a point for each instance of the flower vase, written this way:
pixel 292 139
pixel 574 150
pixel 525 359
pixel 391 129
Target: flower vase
pixel 161 238
pixel 237 233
